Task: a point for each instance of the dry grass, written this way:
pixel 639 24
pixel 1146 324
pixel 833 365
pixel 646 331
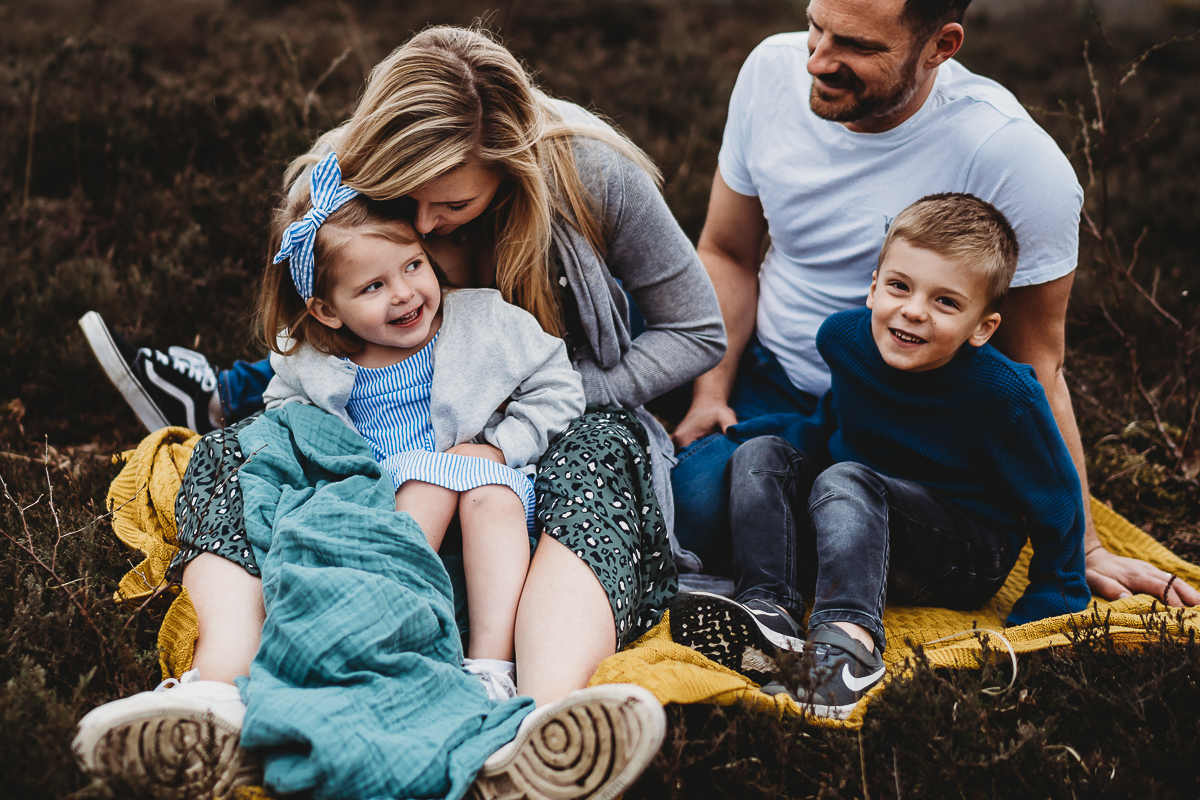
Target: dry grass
pixel 140 145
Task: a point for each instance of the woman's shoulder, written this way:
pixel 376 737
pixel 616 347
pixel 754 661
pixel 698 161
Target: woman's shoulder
pixel 597 161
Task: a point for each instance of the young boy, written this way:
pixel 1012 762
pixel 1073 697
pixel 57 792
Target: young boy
pixel 945 459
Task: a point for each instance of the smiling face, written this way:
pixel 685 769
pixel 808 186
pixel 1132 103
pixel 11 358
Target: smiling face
pixel 455 198
pixel 386 293
pixel 924 307
pixel 869 71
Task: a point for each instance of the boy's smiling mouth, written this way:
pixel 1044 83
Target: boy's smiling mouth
pixel 908 338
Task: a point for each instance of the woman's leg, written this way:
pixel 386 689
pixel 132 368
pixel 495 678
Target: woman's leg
pixel 229 614
pixel 495 558
pixel 565 624
pixel 431 506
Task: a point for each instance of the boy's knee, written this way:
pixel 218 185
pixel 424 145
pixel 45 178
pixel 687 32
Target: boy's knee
pixel 770 453
pixel 847 479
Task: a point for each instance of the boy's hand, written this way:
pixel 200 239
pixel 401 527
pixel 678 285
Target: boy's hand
pixel 1113 577
pixel 487 451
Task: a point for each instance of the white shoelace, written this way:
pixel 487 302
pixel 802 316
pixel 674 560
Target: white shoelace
pixel 194 365
pixel 170 683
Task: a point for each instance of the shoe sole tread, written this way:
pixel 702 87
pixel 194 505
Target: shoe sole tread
pixel 593 748
pixel 726 632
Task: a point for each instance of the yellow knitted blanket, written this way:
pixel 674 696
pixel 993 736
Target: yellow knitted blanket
pixel 142 498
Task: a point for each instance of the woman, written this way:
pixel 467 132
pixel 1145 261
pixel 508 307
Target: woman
pixel 562 214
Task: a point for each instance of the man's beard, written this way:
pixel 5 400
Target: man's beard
pixel 863 104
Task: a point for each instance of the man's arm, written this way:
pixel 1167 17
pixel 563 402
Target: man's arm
pixel 731 249
pixel 1033 332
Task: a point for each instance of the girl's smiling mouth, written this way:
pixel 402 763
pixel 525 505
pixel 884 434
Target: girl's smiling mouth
pixel 409 318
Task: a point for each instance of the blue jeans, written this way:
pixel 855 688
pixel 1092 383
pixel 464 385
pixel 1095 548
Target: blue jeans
pixel 762 388
pixel 241 388
pixel 847 538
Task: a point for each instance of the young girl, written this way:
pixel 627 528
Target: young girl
pixel 357 323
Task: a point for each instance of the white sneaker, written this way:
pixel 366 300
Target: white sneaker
pixel 591 744
pixel 499 677
pixel 176 733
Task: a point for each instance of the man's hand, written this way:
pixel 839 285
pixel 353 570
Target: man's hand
pixel 1113 577
pixel 701 420
pixel 487 451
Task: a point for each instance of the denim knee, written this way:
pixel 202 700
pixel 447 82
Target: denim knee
pixel 850 481
pixel 763 453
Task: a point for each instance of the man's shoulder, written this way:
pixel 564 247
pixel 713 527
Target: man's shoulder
pixel 787 41
pixel 957 83
pixel 773 53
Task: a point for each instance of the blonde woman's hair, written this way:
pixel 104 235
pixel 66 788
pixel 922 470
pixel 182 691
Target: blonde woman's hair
pixel 962 228
pixel 452 95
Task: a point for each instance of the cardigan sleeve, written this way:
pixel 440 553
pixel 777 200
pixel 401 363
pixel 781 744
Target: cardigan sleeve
pixel 545 401
pixel 657 264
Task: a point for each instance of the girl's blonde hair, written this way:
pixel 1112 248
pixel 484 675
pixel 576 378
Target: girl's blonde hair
pixel 451 95
pixel 280 306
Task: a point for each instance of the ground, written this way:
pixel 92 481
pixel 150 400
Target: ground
pixel 141 145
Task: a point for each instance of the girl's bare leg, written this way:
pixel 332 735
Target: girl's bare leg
pixel 495 560
pixel 229 614
pixel 431 506
pixel 565 624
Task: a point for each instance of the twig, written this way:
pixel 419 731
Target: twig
pixel 29 549
pixel 311 97
pixel 33 105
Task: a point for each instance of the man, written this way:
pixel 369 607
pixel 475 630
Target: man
pixel 830 134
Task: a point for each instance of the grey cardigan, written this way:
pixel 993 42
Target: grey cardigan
pixel 487 352
pixel 650 257
pixel 653 260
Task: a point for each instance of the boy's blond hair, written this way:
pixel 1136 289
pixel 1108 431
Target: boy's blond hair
pixel 962 228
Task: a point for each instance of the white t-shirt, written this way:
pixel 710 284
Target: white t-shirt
pixel 829 194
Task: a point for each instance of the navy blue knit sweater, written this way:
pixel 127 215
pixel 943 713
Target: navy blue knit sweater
pixel 979 432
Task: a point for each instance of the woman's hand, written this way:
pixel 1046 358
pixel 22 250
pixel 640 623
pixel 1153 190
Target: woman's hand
pixel 487 451
pixel 1113 577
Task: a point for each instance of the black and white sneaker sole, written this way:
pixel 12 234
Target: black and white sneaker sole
pixel 727 632
pixel 591 744
pixel 118 371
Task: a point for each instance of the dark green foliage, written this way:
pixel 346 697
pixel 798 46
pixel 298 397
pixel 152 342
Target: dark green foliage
pixel 141 147
pixel 1091 721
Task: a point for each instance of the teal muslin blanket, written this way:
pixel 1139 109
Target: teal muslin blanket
pixel 357 690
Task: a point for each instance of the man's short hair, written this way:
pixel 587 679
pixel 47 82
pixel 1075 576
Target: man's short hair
pixel 964 229
pixel 927 16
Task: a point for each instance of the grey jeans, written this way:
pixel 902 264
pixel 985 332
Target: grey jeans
pixel 846 538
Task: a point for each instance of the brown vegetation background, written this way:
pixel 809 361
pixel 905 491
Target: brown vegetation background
pixel 141 149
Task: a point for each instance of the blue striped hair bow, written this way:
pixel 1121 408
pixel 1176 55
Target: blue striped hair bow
pixel 328 195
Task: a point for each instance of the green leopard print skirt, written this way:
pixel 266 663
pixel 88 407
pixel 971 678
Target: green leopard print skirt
pixel 593 495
